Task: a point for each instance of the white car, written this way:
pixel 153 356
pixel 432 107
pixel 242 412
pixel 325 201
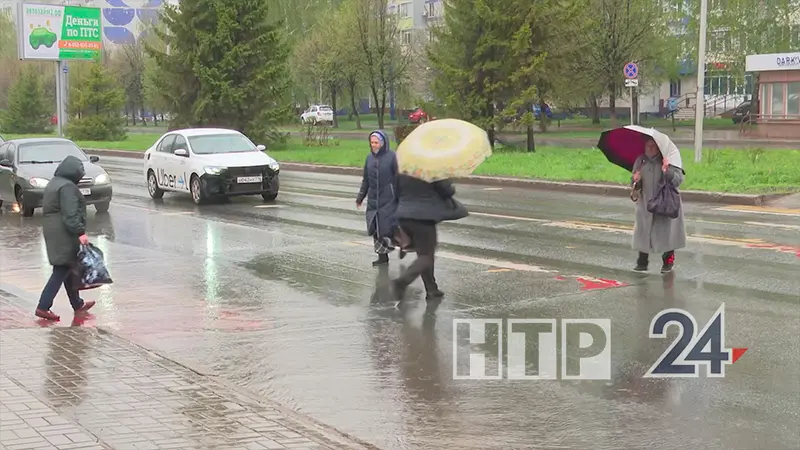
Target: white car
pixel 210 162
pixel 317 113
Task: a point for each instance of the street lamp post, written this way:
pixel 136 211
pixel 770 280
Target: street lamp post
pixel 700 108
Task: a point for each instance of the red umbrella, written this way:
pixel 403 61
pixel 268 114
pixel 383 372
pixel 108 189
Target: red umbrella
pixel 622 146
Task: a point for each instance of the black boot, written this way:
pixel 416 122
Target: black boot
pixel 383 258
pixel 642 262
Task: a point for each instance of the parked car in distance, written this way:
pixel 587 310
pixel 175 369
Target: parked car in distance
pixel 417 116
pixel 317 113
pixel 209 162
pixel 28 165
pixel 740 114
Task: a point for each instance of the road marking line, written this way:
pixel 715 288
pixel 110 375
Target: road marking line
pixel 761 210
pixel 616 228
pixel 269 206
pixel 775 225
pixel 498 270
pixel 330 197
pixel 503 216
pixel 493 189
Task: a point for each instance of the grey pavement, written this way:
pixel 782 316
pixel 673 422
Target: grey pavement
pixel 280 299
pixel 83 389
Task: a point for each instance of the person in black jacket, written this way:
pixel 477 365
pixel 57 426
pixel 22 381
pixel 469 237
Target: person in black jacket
pixel 422 206
pixel 64 230
pixel 379 186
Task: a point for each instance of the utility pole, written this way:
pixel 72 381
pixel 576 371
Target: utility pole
pixel 700 108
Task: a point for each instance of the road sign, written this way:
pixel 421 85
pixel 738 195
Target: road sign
pixel 632 83
pixel 631 70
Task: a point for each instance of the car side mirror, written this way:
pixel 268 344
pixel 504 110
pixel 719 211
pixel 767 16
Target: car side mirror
pixel 181 152
pixel 6 163
pixel 261 147
pixel 94 159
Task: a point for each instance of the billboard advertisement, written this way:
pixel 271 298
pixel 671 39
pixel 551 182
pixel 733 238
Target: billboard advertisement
pixel 59 33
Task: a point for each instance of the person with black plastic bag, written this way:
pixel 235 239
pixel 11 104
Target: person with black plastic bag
pixel 422 206
pixel 64 230
pixel 659 226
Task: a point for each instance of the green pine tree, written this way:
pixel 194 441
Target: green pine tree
pixel 471 59
pixel 27 111
pixel 96 106
pixel 226 66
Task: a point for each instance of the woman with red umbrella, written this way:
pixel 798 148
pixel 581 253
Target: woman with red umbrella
pixel 654 160
pixel 653 233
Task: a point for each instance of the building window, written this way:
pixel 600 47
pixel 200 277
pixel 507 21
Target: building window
pixel 406 36
pixel 793 99
pixel 720 42
pixel 433 9
pixel 778 107
pixel 405 10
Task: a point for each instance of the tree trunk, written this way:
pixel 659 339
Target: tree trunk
pixel 378 104
pixel 542 115
pixel 333 105
pixel 353 107
pixel 530 145
pixel 595 110
pixel 612 105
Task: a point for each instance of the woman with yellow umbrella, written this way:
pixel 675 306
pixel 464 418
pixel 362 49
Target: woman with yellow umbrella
pixel 428 159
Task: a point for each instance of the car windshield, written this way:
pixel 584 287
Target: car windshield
pixel 49 152
pixel 221 143
pixel 325 108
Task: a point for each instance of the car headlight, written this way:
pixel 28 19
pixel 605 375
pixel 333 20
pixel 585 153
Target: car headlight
pixel 213 170
pixel 39 182
pixel 102 179
pixel 274 166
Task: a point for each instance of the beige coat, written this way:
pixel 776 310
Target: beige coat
pixel 656 234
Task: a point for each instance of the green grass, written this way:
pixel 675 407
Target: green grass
pixel 736 171
pixel 134 142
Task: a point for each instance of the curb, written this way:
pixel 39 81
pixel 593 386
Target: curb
pixel 612 190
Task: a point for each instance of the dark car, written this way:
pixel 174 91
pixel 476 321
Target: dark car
pixel 740 114
pixel 27 165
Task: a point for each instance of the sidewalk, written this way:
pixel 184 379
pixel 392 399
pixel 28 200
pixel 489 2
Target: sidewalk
pixel 75 387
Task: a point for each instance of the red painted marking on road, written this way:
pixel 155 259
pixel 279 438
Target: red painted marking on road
pixel 599 283
pixel 737 353
pixel 561 278
pixel 778 247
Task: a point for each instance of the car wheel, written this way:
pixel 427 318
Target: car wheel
pixel 274 187
pixel 196 188
pixel 102 207
pixel 152 186
pixel 26 211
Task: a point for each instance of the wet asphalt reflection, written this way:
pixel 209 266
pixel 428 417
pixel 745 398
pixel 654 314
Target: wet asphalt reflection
pixel 281 298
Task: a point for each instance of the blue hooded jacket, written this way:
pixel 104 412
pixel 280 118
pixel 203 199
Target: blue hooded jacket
pixel 380 187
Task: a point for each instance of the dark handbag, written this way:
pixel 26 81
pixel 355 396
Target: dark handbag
pixel 666 202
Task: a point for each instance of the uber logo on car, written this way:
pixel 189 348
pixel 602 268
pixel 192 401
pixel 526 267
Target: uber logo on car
pixel 170 180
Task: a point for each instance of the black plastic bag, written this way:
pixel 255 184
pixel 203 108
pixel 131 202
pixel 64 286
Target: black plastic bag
pixel 666 202
pixel 91 270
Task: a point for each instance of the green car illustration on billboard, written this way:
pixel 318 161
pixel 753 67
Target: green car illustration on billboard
pixel 42 36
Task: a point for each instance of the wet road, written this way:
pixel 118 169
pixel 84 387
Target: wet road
pixel 281 298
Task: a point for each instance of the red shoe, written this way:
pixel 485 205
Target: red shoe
pixel 87 305
pixel 49 315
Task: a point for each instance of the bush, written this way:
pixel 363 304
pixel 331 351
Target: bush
pixel 27 107
pixel 97 103
pixel 96 128
pixel 401 131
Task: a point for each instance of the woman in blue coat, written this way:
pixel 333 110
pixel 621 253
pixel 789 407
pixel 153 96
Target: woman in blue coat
pixel 379 187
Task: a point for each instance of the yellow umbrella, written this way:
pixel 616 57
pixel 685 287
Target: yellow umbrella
pixel 444 148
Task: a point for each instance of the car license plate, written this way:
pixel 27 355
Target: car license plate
pixel 243 180
pixel 86 191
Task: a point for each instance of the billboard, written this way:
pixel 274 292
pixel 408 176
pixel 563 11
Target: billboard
pixel 59 33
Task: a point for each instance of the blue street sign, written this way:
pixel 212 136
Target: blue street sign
pixel 631 70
